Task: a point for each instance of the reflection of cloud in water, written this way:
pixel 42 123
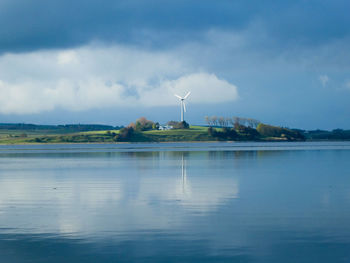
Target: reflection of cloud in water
pixel 198 193
pixel 150 201
pixel 60 197
pixel 205 195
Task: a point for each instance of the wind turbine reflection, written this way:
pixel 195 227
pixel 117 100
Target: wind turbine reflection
pixel 204 192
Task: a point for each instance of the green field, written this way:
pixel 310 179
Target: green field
pixel 195 133
pixel 28 137
pixel 22 133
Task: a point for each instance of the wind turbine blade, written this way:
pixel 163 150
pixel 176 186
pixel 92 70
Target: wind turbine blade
pixel 184 107
pixel 188 93
pixel 177 96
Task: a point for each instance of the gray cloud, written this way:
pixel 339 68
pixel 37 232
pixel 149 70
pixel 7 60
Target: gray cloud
pixel 274 51
pixel 40 24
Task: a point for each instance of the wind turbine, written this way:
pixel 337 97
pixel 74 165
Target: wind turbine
pixel 183 105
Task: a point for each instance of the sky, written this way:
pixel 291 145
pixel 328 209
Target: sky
pixel 284 63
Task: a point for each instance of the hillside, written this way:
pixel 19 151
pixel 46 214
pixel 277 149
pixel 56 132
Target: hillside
pixel 194 133
pixel 39 134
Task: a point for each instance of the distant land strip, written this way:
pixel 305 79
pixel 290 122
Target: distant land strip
pixel 144 130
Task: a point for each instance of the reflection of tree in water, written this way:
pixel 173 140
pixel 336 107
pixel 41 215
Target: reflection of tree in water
pixel 142 154
pixel 271 154
pixel 224 155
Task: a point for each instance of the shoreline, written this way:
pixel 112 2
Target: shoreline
pixel 166 142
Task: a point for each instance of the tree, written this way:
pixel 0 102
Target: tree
pixel 275 131
pixel 125 134
pixel 211 131
pixel 142 124
pixel 225 134
pixel 236 122
pixel 252 123
pixel 248 133
pixel 181 125
pixel 232 121
pixel 221 121
pixel 255 123
pixel 214 120
pixel 155 126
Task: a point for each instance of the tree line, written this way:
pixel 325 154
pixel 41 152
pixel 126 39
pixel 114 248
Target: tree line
pixel 238 128
pixel 215 121
pixel 58 128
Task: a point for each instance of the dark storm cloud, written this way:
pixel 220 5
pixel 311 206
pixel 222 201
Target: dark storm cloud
pixel 41 24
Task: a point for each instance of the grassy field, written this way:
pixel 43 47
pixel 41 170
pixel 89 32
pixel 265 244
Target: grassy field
pixel 28 137
pixel 17 136
pixel 99 132
pixel 195 133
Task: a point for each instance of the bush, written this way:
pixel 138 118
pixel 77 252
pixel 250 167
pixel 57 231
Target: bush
pixel 247 132
pixel 125 134
pixel 142 124
pixel 155 126
pixel 179 125
pixel 225 134
pixel 38 140
pixel 274 131
pixel 337 134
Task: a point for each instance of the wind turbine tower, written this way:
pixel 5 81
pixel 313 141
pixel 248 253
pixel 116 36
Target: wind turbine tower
pixel 183 105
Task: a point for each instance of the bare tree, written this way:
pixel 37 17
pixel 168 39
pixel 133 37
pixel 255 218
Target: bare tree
pixel 250 122
pixel 243 121
pixel 221 121
pixel 232 121
pixel 236 122
pixel 214 119
pixel 227 122
pixel 255 123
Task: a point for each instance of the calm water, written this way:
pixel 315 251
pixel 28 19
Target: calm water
pixel 217 202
